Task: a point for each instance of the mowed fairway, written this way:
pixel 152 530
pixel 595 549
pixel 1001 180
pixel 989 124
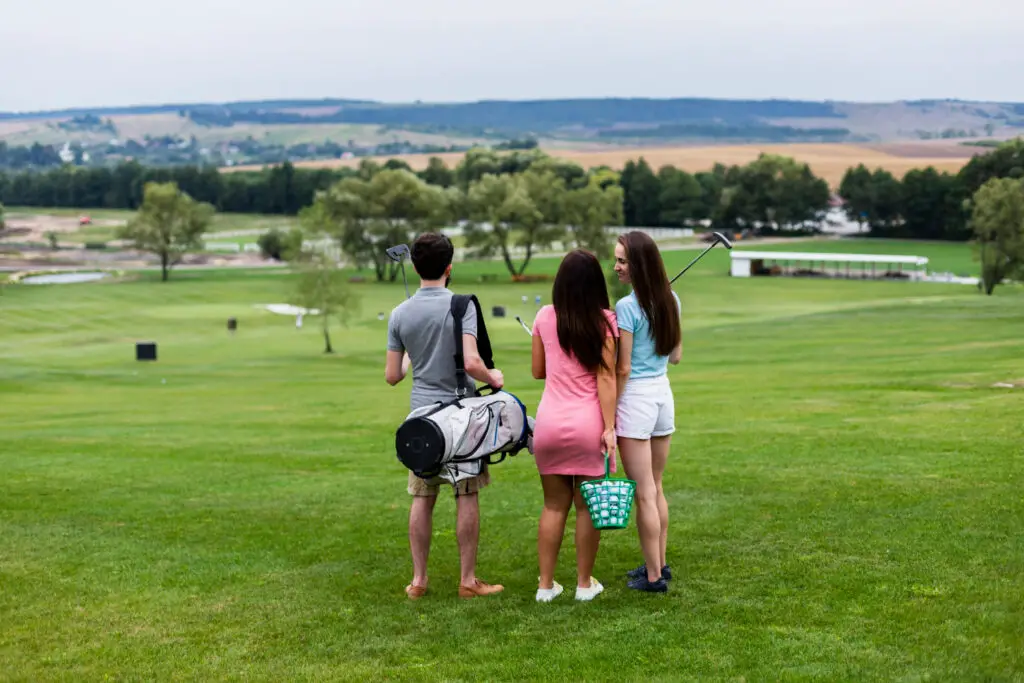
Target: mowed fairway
pixel 845 490
pixel 828 161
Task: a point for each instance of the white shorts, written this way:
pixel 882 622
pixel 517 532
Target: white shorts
pixel 646 408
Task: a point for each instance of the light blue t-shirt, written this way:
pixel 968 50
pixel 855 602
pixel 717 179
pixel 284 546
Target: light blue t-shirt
pixel 644 362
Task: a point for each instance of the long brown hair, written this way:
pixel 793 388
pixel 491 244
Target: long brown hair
pixel 652 289
pixel 580 297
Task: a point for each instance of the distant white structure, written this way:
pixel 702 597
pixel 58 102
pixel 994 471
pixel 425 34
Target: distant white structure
pixel 855 266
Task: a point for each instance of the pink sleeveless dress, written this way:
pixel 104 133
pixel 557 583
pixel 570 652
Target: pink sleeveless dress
pixel 568 428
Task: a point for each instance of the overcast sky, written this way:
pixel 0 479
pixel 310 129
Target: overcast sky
pixel 69 53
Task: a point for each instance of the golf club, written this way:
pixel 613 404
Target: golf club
pixel 525 326
pixel 398 253
pixel 719 238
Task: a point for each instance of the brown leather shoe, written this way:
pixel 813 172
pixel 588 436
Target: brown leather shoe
pixel 479 589
pixel 415 592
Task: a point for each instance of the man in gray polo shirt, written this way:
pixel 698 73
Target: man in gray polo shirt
pixel 420 334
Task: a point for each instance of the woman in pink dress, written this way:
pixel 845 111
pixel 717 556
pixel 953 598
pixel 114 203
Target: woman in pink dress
pixel 574 353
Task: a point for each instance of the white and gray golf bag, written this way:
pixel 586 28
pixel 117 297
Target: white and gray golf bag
pixel 457 439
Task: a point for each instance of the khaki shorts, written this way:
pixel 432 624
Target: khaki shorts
pixel 431 487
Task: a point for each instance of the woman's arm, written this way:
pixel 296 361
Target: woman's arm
pixel 677 353
pixel 539 368
pixel 607 394
pixel 623 367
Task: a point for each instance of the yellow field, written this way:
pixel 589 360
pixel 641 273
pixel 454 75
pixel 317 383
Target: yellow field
pixel 828 161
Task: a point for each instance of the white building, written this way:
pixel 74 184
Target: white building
pixel 855 266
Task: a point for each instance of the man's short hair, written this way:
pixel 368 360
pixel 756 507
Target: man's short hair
pixel 431 254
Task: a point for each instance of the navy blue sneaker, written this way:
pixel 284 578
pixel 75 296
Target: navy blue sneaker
pixel 643 584
pixel 666 572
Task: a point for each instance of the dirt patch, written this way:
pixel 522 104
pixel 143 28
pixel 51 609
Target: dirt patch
pixel 33 228
pixel 928 150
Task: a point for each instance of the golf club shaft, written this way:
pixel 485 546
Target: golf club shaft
pixel 404 281
pixel 525 326
pixel 713 244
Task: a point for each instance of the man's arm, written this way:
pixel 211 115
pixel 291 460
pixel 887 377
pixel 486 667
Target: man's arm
pixel 396 367
pixel 474 364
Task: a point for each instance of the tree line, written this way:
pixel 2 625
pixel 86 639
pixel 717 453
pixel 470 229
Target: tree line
pixel 925 203
pixel 769 195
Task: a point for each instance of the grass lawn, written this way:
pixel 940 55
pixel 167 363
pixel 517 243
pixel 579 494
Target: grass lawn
pixel 845 489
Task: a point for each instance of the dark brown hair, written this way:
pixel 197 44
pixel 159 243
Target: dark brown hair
pixel 580 297
pixel 431 253
pixel 652 289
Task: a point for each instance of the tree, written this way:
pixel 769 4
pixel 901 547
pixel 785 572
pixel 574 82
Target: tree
pixel 475 164
pixel 933 206
pixel 777 192
pixel 640 189
pixel 169 224
pixel 321 287
pixel 1005 161
pixel 997 220
pixel 505 211
pixel 366 217
pixel 887 202
pixel 589 211
pixel 277 244
pixel 437 173
pixel 856 190
pixel 2 224
pixel 322 290
pixel 681 199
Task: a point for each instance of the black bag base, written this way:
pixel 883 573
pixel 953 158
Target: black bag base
pixel 420 447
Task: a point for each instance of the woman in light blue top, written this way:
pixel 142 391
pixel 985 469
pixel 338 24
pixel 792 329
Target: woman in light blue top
pixel 649 339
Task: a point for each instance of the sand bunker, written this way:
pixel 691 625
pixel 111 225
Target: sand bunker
pixel 288 309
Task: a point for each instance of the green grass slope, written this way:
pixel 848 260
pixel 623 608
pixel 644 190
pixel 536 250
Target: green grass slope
pixel 845 490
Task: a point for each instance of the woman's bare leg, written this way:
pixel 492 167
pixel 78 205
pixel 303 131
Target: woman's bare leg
pixel 636 457
pixel 557 501
pixel 659 458
pixel 587 537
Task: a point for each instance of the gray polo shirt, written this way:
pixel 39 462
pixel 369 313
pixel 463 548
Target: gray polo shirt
pixel 422 326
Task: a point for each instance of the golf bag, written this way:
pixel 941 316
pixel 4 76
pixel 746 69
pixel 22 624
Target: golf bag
pixel 457 439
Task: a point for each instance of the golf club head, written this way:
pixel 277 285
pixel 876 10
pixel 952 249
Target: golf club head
pixel 398 252
pixel 723 239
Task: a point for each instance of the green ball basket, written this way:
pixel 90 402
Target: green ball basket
pixel 609 500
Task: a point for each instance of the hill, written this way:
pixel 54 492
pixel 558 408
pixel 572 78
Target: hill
pixel 272 131
pixel 608 119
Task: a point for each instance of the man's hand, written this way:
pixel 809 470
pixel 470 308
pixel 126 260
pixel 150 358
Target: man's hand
pixel 496 379
pixel 608 440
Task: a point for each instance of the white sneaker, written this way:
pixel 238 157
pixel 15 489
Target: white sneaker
pixel 549 594
pixel 586 594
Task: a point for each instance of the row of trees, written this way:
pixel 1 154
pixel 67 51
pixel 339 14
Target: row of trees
pixel 531 210
pixel 926 204
pixel 771 194
pixel 770 189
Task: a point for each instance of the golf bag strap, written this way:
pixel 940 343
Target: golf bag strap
pixel 459 305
